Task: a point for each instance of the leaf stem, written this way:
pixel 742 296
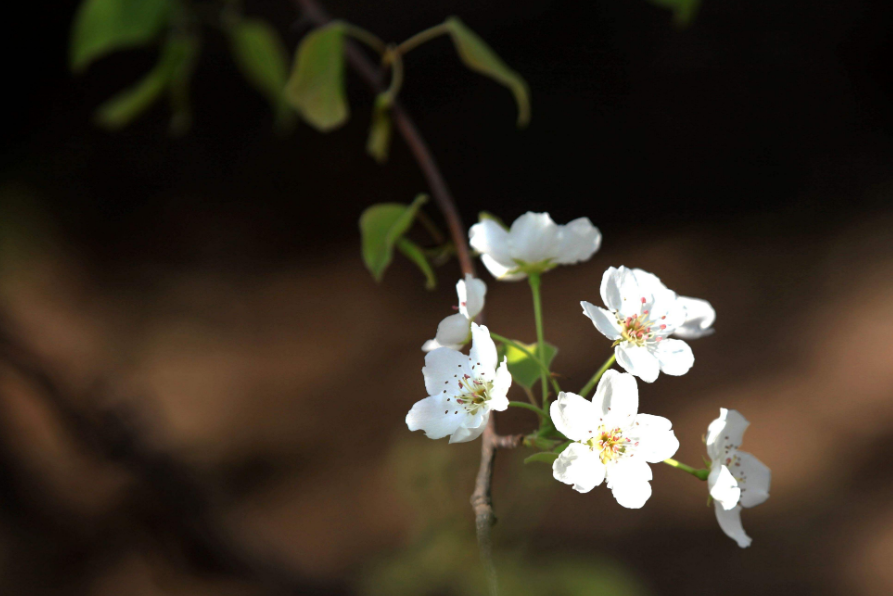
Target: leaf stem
pixel 392 57
pixel 598 375
pixel 526 352
pixel 534 279
pixel 526 406
pixel 366 37
pixel 422 37
pixel 701 474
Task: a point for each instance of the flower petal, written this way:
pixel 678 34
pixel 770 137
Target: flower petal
pixel 501 271
pixel 754 478
pixel 577 241
pixel 443 368
pixel 699 318
pixel 499 392
pixel 723 487
pixel 656 440
pixel 575 417
pixel 730 522
pixel 452 332
pixel 534 238
pixel 616 399
pixel 471 293
pixel 675 357
pixel 603 320
pixel 638 361
pixel 490 238
pixel 620 291
pixel 482 355
pixel 725 434
pixel 648 281
pixel 434 417
pixel 632 495
pixel 579 466
pixel 628 480
pixel 471 429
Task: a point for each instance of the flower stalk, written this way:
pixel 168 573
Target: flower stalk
pixel 699 474
pixel 534 279
pixel 598 375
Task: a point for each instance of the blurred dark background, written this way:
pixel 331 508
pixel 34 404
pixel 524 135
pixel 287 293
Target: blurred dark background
pixel 213 283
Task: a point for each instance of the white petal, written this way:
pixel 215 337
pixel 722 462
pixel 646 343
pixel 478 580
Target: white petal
pixel 483 352
pixel 617 399
pixel 723 487
pixel 432 344
pixel 577 241
pixel 575 417
pixel 699 318
pixel 664 308
pixel 754 478
pixel 604 320
pixel 632 495
pixel 579 466
pixel 534 238
pixel 730 522
pixel 443 369
pixel 471 293
pixel 725 434
pixel 501 271
pixel 452 332
pixel 433 416
pixel 638 361
pixel 675 357
pixel 490 238
pixel 499 392
pixel 471 430
pixel 628 470
pixel 657 441
pixel 648 281
pixel 620 291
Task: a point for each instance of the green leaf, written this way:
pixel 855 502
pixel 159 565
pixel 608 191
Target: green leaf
pixel 316 85
pixel 379 141
pixel 525 371
pixel 381 226
pixel 414 253
pixel 563 446
pixel 546 458
pixel 121 109
pixel 479 57
pixel 262 59
pixel 684 11
pixel 103 26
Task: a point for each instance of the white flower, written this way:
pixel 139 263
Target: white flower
pixel 699 314
pixel 611 441
pixel 462 390
pixel 737 479
pixel 534 243
pixel 455 330
pixel 642 316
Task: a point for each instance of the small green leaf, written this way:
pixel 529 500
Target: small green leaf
pixel 414 253
pixel 379 141
pixel 684 11
pixel 545 457
pixel 525 371
pixel 121 109
pixel 316 85
pixel 479 57
pixel 103 26
pixel 381 226
pixel 262 59
pixel 486 215
pixel 563 446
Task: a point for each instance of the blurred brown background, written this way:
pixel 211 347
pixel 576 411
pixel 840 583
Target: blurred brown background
pixel 207 291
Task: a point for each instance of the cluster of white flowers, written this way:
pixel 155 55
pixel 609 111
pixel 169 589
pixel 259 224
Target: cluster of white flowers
pixel 606 439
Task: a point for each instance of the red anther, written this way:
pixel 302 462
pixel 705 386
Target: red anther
pixel 645 312
pixel 455 308
pixel 663 326
pixel 467 376
pixel 663 317
pixel 643 300
pixel 463 303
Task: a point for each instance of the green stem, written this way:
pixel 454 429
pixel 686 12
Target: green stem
pixel 531 407
pixel 699 474
pixel 368 38
pixel 534 279
pixel 526 352
pixel 598 375
pixel 422 37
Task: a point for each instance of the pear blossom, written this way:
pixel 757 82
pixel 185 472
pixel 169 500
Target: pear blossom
pixel 462 390
pixel 640 317
pixel 455 330
pixel 533 243
pixel 737 479
pixel 611 441
pixel 699 314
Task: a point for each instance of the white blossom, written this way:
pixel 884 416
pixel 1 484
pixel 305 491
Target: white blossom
pixel 462 390
pixel 641 316
pixel 611 441
pixel 455 330
pixel 737 479
pixel 699 314
pixel 534 243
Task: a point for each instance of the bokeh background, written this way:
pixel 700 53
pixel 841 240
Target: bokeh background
pixel 207 291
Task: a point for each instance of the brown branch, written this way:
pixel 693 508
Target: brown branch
pixel 481 498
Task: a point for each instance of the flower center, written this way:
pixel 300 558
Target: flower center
pixel 610 443
pixel 475 393
pixel 639 329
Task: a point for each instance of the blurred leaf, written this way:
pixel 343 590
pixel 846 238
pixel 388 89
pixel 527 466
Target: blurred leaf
pixel 546 458
pixel 381 226
pixel 525 371
pixel 379 141
pixel 479 57
pixel 103 26
pixel 178 89
pixel 263 60
pixel 486 215
pixel 121 109
pixel 684 11
pixel 414 253
pixel 316 85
